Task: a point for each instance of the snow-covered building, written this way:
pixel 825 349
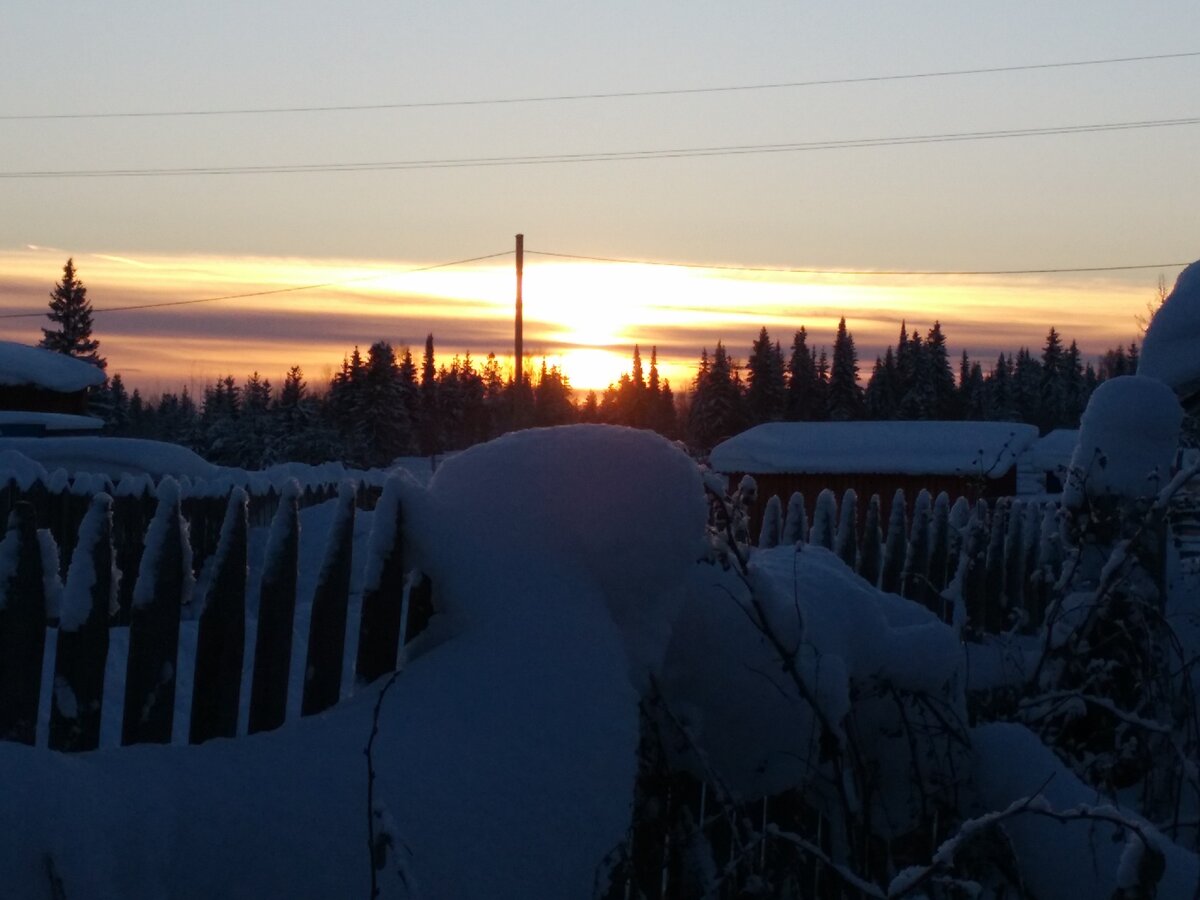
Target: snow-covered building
pixel 42 392
pixel 1042 468
pixel 964 459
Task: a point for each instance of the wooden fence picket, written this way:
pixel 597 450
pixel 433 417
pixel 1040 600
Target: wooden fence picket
pixel 383 592
pixel 327 625
pixel 163 581
pixel 82 647
pixel 22 628
pixel 221 638
pixel 276 612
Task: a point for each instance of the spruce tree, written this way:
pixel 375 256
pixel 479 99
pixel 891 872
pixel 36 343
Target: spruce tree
pixel 802 386
pixel 386 430
pixel 717 410
pixel 880 395
pixel 845 396
pixel 429 427
pixel 1053 389
pixel 71 310
pixel 766 396
pixel 941 378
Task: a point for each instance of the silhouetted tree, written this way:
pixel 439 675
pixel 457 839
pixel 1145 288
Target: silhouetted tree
pixel 71 311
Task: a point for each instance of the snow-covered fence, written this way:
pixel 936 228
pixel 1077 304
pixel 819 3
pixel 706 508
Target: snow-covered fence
pixel 161 608
pixel 59 503
pixel 997 561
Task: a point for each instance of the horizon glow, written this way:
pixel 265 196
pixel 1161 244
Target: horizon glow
pixel 584 317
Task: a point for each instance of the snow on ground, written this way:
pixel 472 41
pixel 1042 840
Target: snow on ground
pixel 913 448
pixel 506 755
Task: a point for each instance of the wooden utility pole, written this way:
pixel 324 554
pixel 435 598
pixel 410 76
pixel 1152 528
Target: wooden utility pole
pixel 518 332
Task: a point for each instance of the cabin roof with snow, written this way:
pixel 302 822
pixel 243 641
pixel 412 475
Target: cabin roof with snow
pixel 1052 451
pixel 964 449
pixel 22 365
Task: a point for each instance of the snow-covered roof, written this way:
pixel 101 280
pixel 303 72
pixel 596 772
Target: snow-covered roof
pixel 1171 350
pixel 908 448
pixel 48 421
pixel 1053 451
pixel 112 456
pixel 22 364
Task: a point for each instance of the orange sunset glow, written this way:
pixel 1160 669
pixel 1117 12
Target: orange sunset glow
pixel 583 316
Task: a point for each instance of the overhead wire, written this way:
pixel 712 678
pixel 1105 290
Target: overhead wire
pixel 867 272
pixel 610 156
pixel 603 95
pixel 267 293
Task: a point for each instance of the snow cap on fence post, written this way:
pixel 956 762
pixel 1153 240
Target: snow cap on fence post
pixel 795 526
pixel 772 523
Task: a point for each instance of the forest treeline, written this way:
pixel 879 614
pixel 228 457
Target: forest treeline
pixel 383 404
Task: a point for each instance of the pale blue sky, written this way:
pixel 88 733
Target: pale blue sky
pixel 1102 198
pixel 1093 199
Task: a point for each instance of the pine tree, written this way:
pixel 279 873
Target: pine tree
pixel 880 398
pixel 845 396
pixel 972 400
pixel 820 405
pixel 1053 400
pixel 802 388
pixel 920 399
pixel 1028 390
pixel 766 395
pixel 552 397
pixel 72 311
pixel 385 426
pixel 717 410
pixel 429 425
pixel 117 404
pixel 941 378
pixel 999 393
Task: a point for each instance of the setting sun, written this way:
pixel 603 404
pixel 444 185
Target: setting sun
pixel 585 317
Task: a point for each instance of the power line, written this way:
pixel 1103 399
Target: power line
pixel 609 156
pixel 789 271
pixel 287 290
pixel 605 95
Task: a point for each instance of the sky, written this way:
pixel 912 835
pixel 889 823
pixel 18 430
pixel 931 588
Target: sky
pixel 1093 199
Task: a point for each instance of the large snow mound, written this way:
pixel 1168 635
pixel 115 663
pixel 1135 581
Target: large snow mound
pixel 1128 437
pixel 911 448
pixel 1171 350
pixel 622 508
pixel 729 683
pixel 24 365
